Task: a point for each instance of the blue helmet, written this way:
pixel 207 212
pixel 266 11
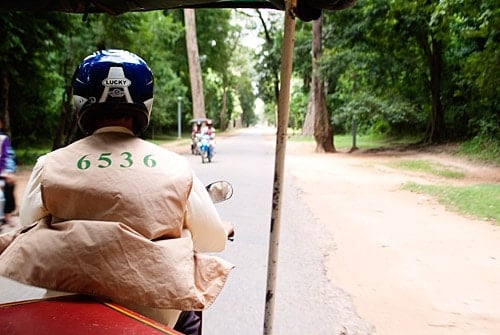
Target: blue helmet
pixel 113 82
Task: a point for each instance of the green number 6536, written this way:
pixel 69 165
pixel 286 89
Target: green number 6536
pixel 106 159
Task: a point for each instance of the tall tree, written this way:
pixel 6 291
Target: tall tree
pixel 302 67
pixel 423 21
pixel 473 58
pixel 29 77
pixel 394 52
pixel 194 64
pixel 268 64
pixel 323 130
pixel 216 45
pixel 160 40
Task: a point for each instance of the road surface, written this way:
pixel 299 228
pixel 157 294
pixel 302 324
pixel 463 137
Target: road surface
pixel 358 255
pixel 306 302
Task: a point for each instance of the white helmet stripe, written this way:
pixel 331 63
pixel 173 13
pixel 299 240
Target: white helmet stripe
pixel 79 101
pixel 149 104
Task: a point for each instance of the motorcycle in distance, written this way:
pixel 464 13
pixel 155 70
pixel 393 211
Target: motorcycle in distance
pixel 205 148
pixel 197 124
pixel 28 310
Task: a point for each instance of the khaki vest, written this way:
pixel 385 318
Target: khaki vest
pixel 116 230
pixel 117 177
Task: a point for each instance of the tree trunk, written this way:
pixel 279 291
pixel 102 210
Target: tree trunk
pixel 67 123
pixel 194 64
pixel 323 130
pixel 223 111
pixel 436 131
pixel 308 125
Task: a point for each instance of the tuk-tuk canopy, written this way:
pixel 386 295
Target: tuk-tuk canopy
pixel 306 9
pixel 199 120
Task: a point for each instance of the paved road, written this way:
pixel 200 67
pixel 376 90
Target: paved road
pixel 306 303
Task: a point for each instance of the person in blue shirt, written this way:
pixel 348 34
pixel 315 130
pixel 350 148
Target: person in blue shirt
pixel 7 175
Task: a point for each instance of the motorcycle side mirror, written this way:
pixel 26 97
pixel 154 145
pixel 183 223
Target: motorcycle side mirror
pixel 219 191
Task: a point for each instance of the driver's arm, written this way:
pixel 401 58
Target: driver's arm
pixel 208 232
pixel 32 208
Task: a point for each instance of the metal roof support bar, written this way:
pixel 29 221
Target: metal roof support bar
pixel 279 160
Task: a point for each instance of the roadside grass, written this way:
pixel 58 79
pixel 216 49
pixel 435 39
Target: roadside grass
pixel 481 201
pixel 477 149
pixel 163 139
pixel 343 142
pixel 429 167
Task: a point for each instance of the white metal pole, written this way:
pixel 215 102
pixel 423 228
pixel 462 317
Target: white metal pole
pixel 279 163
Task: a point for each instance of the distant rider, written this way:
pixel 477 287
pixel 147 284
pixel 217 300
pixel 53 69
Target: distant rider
pixel 209 131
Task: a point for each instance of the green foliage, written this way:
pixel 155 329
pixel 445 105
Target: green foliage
pixel 302 66
pixel 375 115
pixel 483 150
pixel 268 64
pixel 41 51
pixel 365 142
pixel 153 35
pixel 28 57
pixel 27 156
pixel 215 38
pixel 473 61
pixel 376 65
pixel 480 201
pixel 215 46
pixel 298 105
pixel 244 90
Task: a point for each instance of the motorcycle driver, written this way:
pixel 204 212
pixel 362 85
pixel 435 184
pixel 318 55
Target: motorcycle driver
pixel 209 129
pixel 115 216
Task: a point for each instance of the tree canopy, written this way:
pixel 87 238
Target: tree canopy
pixel 397 67
pixel 415 66
pixel 402 67
pixel 42 50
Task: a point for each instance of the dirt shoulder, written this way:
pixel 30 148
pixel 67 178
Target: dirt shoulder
pixel 411 266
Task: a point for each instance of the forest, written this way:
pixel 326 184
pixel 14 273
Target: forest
pixel 427 69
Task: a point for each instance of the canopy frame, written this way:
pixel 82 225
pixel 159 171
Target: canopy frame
pixel 279 163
